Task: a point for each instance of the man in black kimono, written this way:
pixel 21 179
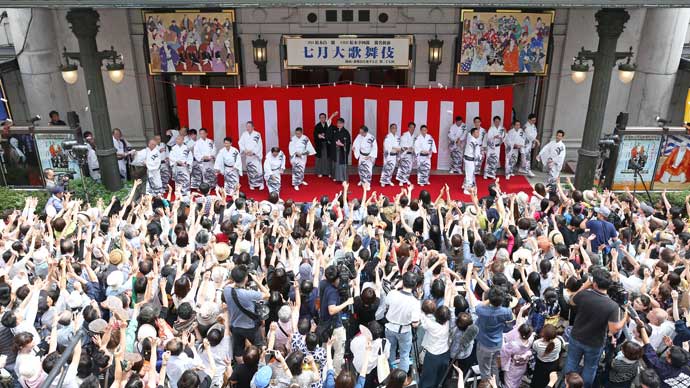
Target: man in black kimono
pixel 323 131
pixel 340 150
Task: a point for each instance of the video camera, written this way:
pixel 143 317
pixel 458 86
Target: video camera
pixel 619 294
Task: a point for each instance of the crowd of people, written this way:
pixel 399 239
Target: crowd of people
pixel 558 287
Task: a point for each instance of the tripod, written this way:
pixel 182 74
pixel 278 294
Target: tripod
pixel 636 172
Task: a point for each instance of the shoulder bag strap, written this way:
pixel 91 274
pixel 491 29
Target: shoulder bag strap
pixel 242 309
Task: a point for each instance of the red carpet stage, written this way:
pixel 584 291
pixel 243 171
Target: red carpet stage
pixel 325 186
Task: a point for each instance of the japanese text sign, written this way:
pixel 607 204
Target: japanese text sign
pixel 348 52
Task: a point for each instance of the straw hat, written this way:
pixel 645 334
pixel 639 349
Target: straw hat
pixel 221 251
pixel 116 256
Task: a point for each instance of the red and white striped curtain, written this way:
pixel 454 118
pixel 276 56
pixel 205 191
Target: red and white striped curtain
pixel 276 112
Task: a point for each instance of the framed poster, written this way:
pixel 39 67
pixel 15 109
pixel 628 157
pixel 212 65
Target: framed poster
pixel 348 51
pixel 52 155
pixel 674 164
pixel 636 151
pixel 504 42
pixel 191 42
pixel 21 166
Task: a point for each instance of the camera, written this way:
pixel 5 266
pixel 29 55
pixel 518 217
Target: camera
pixel 619 294
pixel 609 141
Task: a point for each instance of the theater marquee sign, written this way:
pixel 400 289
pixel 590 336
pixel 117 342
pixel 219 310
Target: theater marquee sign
pixel 347 51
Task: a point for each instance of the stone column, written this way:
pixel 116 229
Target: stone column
pixel 33 36
pixel 657 57
pixel 84 24
pixel 610 25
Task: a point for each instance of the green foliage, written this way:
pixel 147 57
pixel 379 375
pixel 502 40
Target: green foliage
pixel 96 190
pixel 14 199
pixel 676 198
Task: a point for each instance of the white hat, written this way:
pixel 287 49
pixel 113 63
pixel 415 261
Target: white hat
pixel 522 197
pixel 115 279
pixel 146 331
pixel 244 246
pixel 74 300
pixel 207 314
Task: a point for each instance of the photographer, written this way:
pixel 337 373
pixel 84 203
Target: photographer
pixel 330 311
pixel 402 311
pixel 244 324
pixel 596 313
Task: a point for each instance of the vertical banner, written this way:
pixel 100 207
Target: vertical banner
pixel 276 112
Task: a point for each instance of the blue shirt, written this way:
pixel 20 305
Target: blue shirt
pixel 492 322
pixel 329 297
pixel 56 202
pixel 246 298
pixel 604 231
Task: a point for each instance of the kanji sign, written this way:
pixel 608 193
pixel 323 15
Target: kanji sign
pixel 342 51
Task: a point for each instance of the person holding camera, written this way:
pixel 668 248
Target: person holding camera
pixel 241 301
pixel 596 314
pixel 402 311
pixel 330 313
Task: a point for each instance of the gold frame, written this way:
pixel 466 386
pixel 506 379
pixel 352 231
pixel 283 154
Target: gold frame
pixel 545 72
pixel 231 17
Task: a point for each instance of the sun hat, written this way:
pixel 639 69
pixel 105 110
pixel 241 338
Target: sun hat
pixel 146 331
pixel 262 377
pixel 115 279
pixel 116 256
pixel 221 251
pixel 207 314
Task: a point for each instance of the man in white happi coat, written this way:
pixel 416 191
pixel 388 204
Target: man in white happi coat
pixel 190 139
pixel 492 144
pixel 300 147
pixel 531 142
pixel 514 141
pixel 424 146
pixel 391 151
pixel 477 122
pixel 365 150
pixel 122 149
pixel 274 165
pixel 91 157
pixel 457 134
pixel 181 162
pixel 166 171
pixel 204 158
pixel 229 163
pixel 406 155
pixel 553 157
pixel 151 158
pixel 173 134
pixel 471 154
pixel 251 148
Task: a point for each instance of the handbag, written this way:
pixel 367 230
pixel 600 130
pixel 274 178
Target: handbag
pixel 261 310
pixel 383 369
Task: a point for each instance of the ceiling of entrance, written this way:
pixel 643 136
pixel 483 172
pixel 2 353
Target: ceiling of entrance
pixel 358 3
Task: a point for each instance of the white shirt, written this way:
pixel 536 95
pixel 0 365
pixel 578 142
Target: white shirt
pixel 407 140
pixel 300 145
pixel 514 137
pixel 92 161
pixel 530 134
pixel 494 137
pixel 274 165
pixel 456 132
pixel 163 150
pixel 180 156
pixel 177 365
pixel 189 142
pixel 364 146
pixel 554 151
pixel 204 148
pixel 425 143
pixel 390 142
pixel 473 148
pixel 435 335
pixel 401 309
pixel 228 158
pixel 251 142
